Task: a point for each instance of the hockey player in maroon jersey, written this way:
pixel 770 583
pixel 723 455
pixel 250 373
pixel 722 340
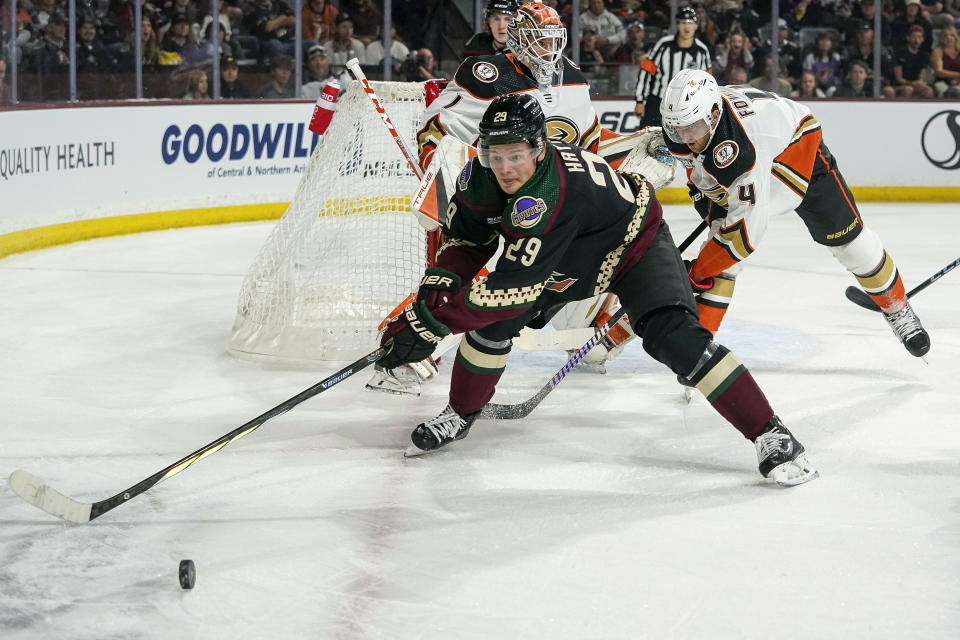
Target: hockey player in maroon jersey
pixel 496 17
pixel 534 65
pixel 573 228
pixel 750 155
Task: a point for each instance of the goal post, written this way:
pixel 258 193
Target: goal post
pixel 347 249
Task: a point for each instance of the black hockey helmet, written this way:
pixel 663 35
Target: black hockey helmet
pixel 687 13
pixel 506 7
pixel 515 117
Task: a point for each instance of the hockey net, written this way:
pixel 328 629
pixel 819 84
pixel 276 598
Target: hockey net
pixel 347 250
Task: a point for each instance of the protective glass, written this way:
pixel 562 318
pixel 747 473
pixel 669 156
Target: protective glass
pixel 687 133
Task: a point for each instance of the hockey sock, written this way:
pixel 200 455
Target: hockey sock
pixel 712 304
pixel 476 372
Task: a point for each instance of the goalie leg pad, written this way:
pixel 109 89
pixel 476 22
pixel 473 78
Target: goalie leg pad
pixel 403 380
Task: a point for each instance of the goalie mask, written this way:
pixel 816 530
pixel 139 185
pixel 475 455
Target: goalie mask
pixel 516 117
pixel 688 105
pixel 537 38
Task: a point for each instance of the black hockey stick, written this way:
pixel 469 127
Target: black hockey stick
pixel 34 491
pixel 859 297
pixel 693 236
pixel 494 411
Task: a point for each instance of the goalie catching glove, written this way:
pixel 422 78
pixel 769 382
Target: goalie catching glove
pixel 415 334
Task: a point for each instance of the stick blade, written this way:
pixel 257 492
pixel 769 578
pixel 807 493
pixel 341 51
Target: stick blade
pixel 36 492
pixel 858 297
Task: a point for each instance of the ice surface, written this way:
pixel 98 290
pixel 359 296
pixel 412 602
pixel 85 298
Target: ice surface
pixel 613 511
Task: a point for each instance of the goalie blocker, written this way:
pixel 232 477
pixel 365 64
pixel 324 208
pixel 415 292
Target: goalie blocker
pixel 573 228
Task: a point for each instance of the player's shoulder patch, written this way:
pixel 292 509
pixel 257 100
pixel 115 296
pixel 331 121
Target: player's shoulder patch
pixel 486 77
pixel 485 71
pixel 464 178
pixel 527 212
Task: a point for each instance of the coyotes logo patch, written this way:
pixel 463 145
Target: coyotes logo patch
pixel 527 212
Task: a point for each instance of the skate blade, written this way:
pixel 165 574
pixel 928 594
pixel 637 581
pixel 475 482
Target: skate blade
pixel 797 471
pixel 414 451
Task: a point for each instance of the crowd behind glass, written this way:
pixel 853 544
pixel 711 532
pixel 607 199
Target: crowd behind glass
pixel 57 50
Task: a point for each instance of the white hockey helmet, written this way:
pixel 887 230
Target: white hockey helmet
pixel 688 104
pixel 537 38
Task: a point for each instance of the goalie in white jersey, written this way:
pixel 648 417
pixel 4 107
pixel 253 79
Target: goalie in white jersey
pixel 749 155
pixel 535 64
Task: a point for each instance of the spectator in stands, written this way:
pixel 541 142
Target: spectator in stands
pixel 823 61
pixel 591 59
pixel 855 85
pixel 205 50
pixel 281 68
pixel 230 85
pixel 945 61
pixel 734 53
pixel 177 37
pixel 273 24
pixel 92 56
pixel 912 16
pixel 420 67
pixel 176 8
pixel 318 73
pixel 865 10
pixel 43 11
pixel 706 28
pixel 4 89
pixel 910 65
pixel 629 51
pixel 398 51
pixel 225 24
pixel 770 81
pixel 24 23
pixel 53 55
pixel 609 29
pixel 367 19
pixel 862 49
pixel 197 86
pixel 343 46
pixel 148 42
pixel 737 75
pixel 809 87
pixel 319 20
pixel 493 39
pixel 790 56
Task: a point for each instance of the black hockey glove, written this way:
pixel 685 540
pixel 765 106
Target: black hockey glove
pixel 437 286
pixel 417 337
pixel 707 208
pixel 414 334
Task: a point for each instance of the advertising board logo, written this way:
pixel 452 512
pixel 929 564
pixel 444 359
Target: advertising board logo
pixel 940 139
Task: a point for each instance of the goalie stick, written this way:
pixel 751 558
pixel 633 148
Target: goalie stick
pixel 493 411
pixel 37 493
pixel 860 297
pixel 354 66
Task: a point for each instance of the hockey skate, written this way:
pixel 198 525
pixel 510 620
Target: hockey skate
pixel 438 432
pixel 906 326
pixel 782 458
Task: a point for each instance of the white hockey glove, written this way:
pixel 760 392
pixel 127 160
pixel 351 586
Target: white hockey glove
pixel 651 159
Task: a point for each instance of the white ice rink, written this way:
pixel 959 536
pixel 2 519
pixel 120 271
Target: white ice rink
pixel 613 511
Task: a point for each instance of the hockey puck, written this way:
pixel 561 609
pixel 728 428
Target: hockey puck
pixel 188 574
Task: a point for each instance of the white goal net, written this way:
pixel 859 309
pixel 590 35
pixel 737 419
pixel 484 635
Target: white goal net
pixel 347 250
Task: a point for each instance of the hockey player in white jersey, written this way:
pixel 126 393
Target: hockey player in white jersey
pixel 749 155
pixel 535 64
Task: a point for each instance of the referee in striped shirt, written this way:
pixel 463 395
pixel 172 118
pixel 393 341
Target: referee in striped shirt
pixel 668 57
